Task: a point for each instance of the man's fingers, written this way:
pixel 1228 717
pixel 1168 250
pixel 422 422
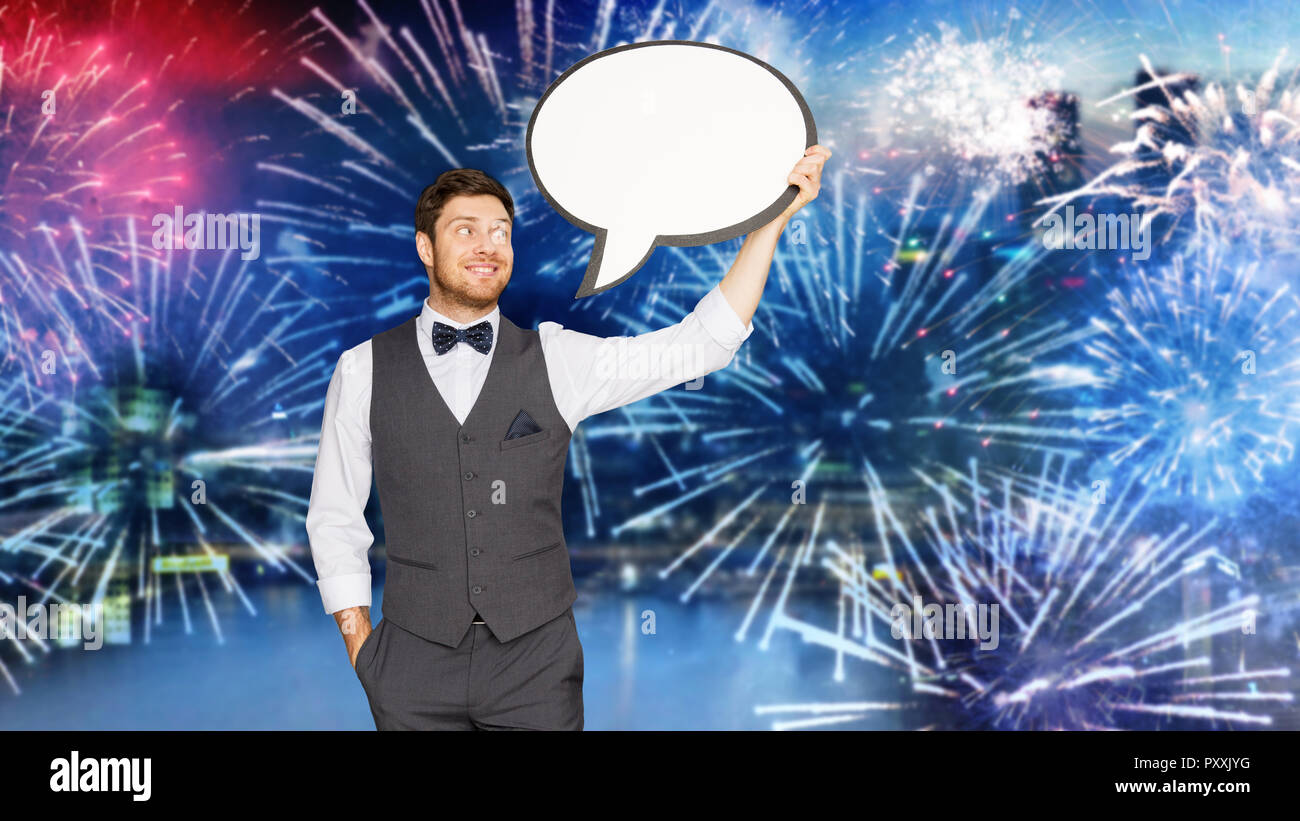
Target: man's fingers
pixel 807 172
pixel 810 165
pixel 813 174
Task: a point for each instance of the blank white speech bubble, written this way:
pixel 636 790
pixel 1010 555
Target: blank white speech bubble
pixel 668 142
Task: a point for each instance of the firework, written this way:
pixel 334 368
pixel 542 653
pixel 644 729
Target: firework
pixel 1199 379
pixel 97 135
pixel 1219 167
pixel 1100 623
pixel 83 150
pixel 1187 378
pixel 161 405
pixel 993 104
pixel 895 340
pixel 193 451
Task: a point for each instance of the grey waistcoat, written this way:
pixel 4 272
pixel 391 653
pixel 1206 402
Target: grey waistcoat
pixel 472 520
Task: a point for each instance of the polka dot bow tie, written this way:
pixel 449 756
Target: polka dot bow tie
pixel 479 337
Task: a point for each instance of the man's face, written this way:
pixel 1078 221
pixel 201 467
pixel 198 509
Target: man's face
pixel 471 255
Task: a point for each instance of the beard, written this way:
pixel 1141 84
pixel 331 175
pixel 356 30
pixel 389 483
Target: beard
pixel 459 287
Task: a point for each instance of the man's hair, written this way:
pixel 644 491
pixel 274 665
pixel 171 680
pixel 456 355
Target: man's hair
pixel 455 183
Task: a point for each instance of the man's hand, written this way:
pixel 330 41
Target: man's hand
pixel 807 174
pixel 354 624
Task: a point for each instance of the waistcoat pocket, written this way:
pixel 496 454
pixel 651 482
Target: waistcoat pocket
pixel 530 439
pixel 538 551
pixel 411 562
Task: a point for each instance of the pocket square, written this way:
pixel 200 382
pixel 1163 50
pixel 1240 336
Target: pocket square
pixel 522 426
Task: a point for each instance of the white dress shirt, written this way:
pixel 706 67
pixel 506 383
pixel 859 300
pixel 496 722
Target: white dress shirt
pixel 588 375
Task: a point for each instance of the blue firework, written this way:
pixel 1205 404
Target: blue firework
pixel 1187 378
pixel 145 488
pixel 1102 621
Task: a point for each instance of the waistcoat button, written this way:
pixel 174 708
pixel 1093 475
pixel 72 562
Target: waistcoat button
pixel 477 589
pixel 466 438
pixel 468 476
pixel 471 514
pixel 474 552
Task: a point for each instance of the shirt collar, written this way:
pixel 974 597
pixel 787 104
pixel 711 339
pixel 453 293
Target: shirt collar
pixel 428 316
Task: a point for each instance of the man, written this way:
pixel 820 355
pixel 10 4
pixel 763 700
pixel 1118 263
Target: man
pixel 465 419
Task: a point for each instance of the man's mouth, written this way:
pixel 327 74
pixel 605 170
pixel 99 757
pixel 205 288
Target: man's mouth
pixel 485 270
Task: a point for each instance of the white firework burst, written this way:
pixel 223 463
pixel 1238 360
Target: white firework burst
pixel 1220 167
pixel 991 103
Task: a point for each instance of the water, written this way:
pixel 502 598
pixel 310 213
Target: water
pixel 286 669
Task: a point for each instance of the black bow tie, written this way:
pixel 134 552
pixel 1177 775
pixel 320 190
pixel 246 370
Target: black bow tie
pixel 479 337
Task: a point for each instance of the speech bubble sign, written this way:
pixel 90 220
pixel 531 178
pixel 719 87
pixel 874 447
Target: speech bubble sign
pixel 668 142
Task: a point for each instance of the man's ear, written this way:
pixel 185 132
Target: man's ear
pixel 424 248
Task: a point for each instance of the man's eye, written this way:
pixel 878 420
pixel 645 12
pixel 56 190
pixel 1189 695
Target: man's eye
pixel 464 228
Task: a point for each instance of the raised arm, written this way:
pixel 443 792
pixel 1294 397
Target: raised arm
pixel 591 374
pixel 743 284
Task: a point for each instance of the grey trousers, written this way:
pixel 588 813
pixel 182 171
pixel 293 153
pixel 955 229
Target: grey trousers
pixel 532 682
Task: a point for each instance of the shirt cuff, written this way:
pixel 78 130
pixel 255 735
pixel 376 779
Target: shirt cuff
pixel 340 592
pixel 721 320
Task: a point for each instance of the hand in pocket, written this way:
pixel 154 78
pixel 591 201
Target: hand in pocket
pixel 364 643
